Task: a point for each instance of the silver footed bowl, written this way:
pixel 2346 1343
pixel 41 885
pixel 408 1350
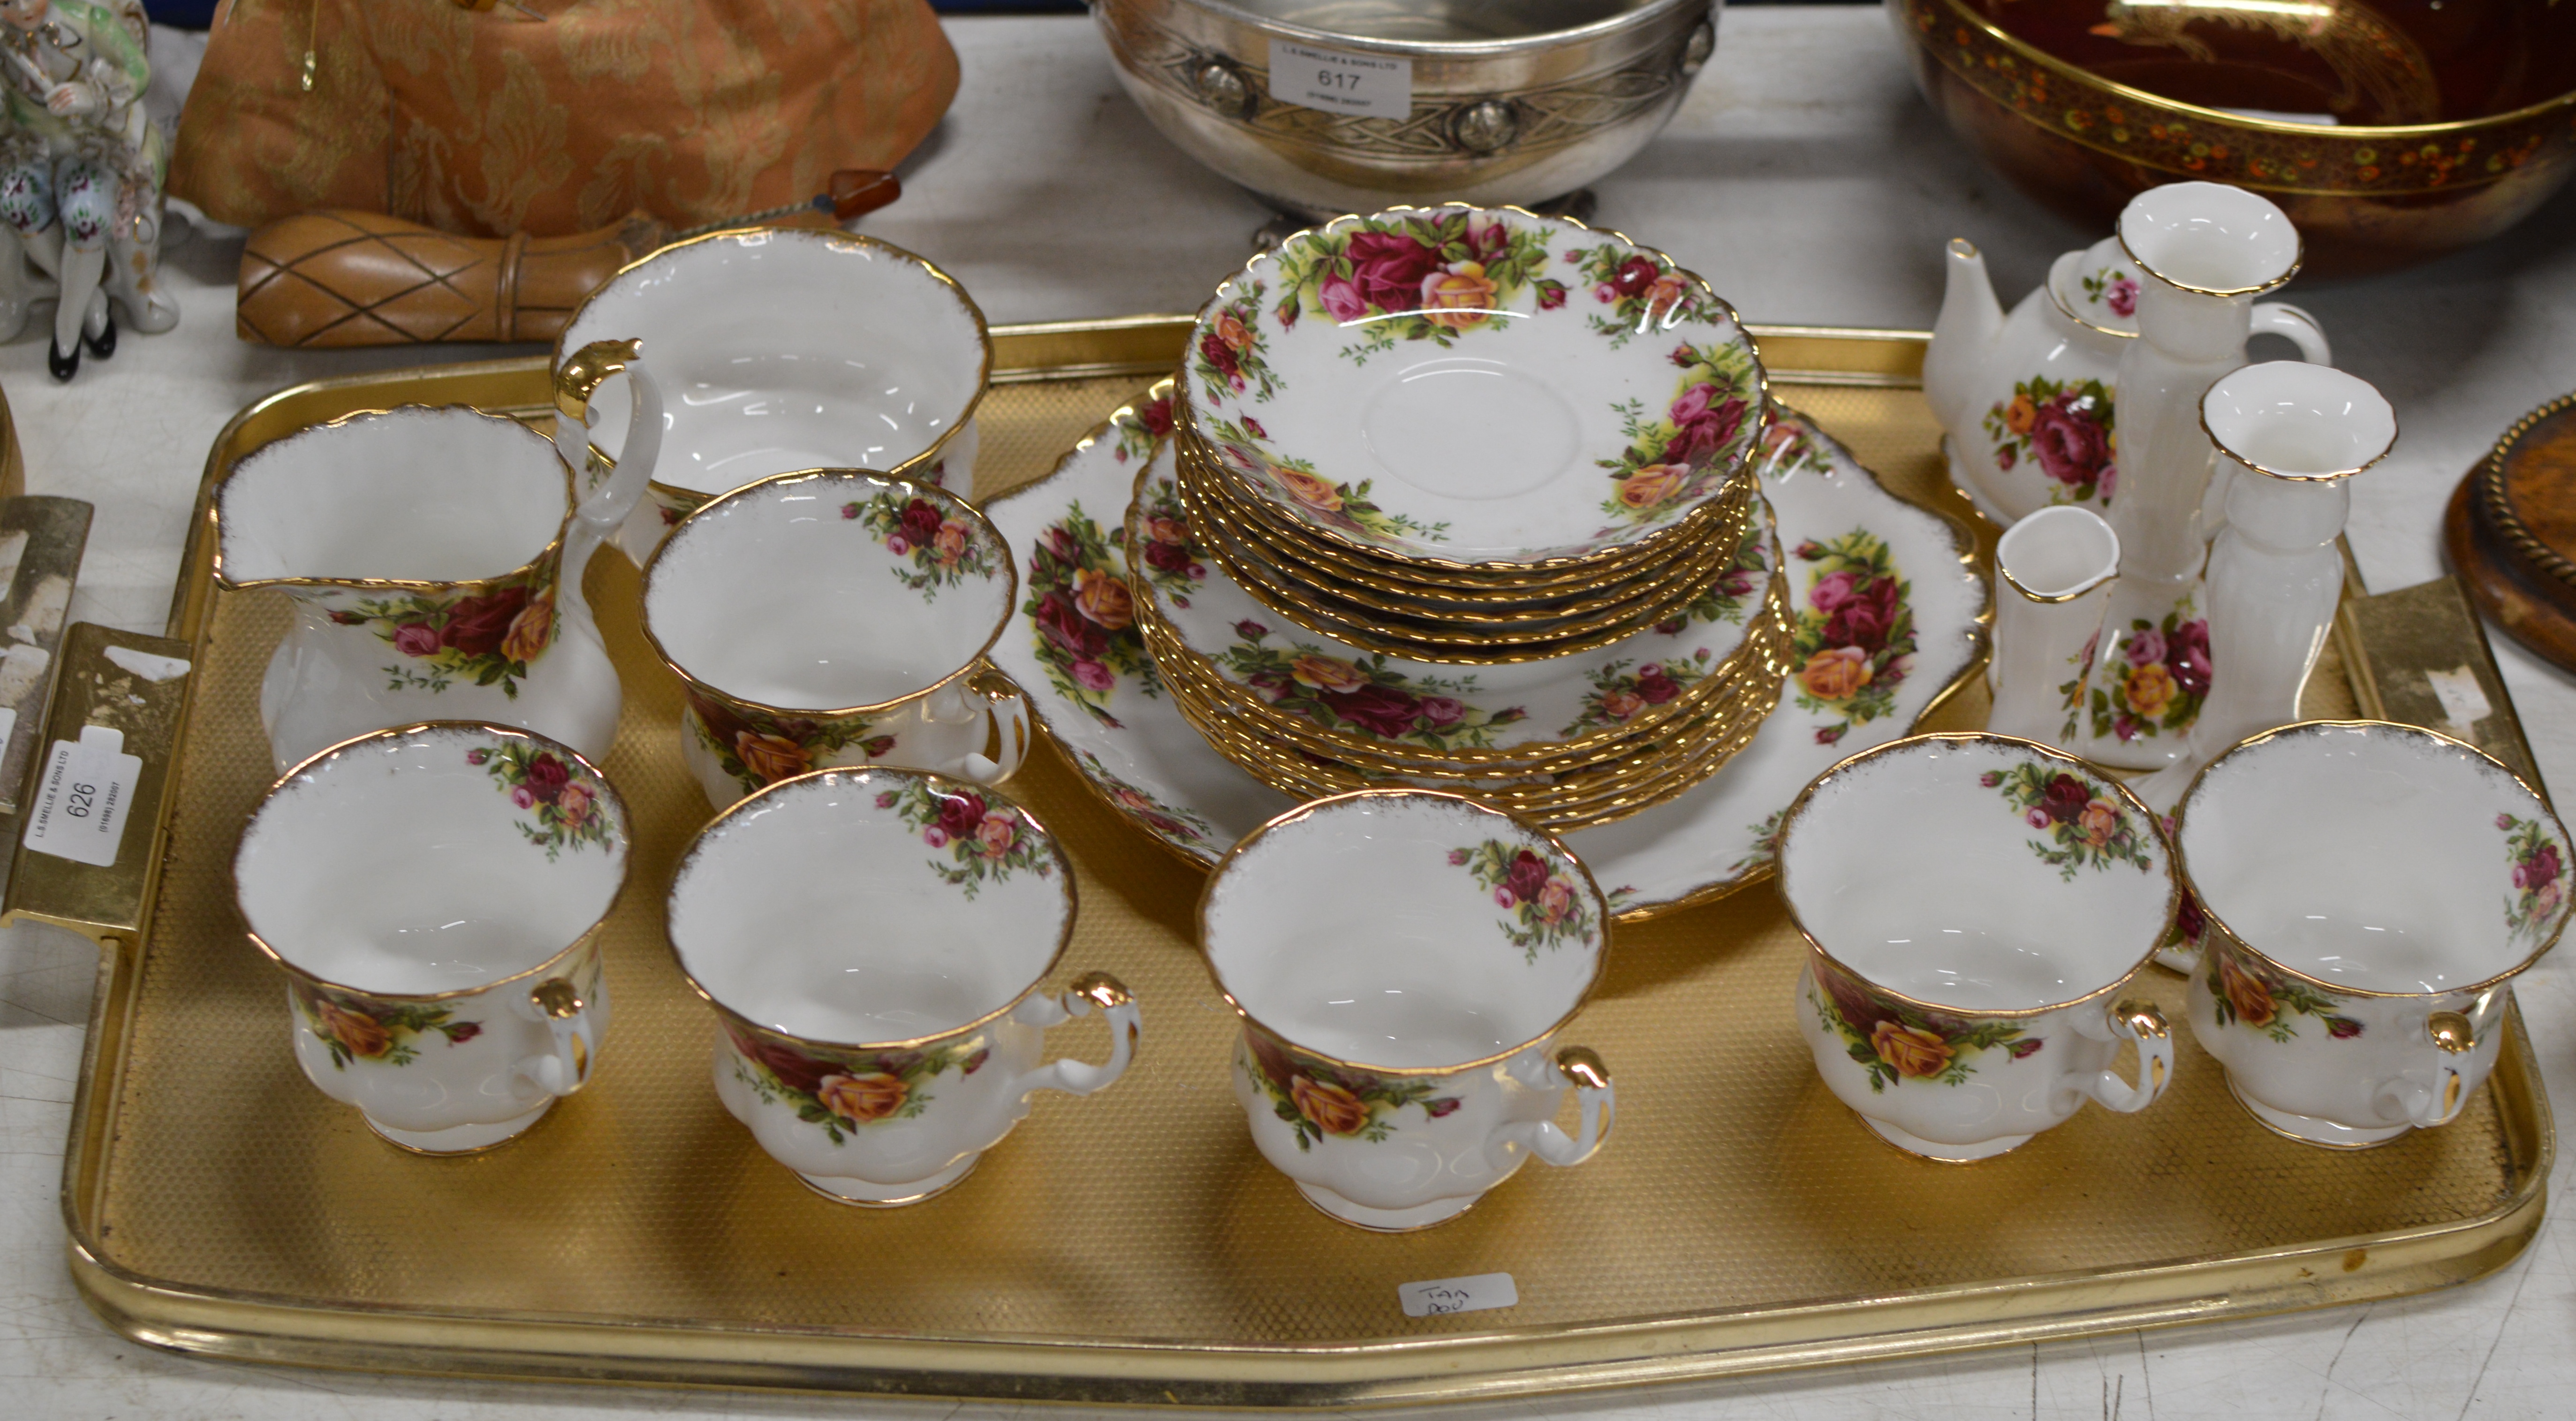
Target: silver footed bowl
pixel 1510 101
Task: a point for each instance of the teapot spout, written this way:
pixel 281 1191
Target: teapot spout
pixel 1971 320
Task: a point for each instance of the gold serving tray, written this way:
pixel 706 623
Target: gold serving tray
pixel 1133 1248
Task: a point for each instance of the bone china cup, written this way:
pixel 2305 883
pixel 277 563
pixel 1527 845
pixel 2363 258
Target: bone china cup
pixel 1402 961
pixel 434 894
pixel 2353 983
pixel 866 599
pixel 873 942
pixel 1973 906
pixel 787 349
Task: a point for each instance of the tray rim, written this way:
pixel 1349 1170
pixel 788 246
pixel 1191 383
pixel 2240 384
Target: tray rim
pixel 250 1326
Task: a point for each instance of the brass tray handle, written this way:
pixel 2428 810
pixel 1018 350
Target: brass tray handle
pixel 2142 1023
pixel 559 1004
pixel 2437 1104
pixel 1598 1102
pixel 1126 1027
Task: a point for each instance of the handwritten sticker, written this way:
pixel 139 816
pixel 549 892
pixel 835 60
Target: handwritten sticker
pixel 2463 704
pixel 1336 81
pixel 1447 1295
pixel 81 801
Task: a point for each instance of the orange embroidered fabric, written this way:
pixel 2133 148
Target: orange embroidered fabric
pixel 691 111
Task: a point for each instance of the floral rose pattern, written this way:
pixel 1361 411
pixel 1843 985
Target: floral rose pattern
pixel 2539 878
pixel 1432 276
pixel 558 794
pixel 2252 995
pixel 2114 290
pixel 1228 359
pixel 1854 640
pixel 1895 1041
pixel 1642 294
pixel 355 1028
pixel 1166 554
pixel 980 840
pixel 1677 455
pixel 485 638
pixel 1733 592
pixel 1343 506
pixel 1181 828
pixel 1542 907
pixel 1360 694
pixel 755 748
pixel 1082 616
pixel 941 551
pixel 2149 681
pixel 2067 428
pixel 1135 430
pixel 1318 1098
pixel 844 1094
pixel 1619 695
pixel 2086 825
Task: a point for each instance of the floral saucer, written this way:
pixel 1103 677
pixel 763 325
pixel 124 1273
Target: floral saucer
pixel 1474 386
pixel 1890 617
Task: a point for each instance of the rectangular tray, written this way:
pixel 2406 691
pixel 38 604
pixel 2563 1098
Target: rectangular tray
pixel 1134 1248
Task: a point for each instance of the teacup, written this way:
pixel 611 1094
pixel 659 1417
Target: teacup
pixel 872 942
pixel 435 895
pixel 1403 961
pixel 786 349
pixel 835 618
pixel 2353 980
pixel 1973 906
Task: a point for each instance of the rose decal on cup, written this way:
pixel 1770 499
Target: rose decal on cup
pixel 1543 904
pixel 755 748
pixel 486 638
pixel 355 1028
pixel 944 551
pixel 2086 825
pixel 562 798
pixel 978 840
pixel 1895 1041
pixel 2539 877
pixel 2246 994
pixel 844 1096
pixel 1317 1098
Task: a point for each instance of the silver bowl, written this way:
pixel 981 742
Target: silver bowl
pixel 1510 101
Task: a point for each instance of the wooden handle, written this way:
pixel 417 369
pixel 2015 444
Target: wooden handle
pixel 344 278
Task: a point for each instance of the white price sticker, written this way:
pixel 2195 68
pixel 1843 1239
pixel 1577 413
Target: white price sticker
pixel 1447 1295
pixel 81 802
pixel 1339 82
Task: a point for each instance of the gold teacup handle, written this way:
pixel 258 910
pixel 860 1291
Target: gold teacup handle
pixel 1597 1104
pixel 604 506
pixel 566 1015
pixel 1126 1028
pixel 2142 1023
pixel 1001 699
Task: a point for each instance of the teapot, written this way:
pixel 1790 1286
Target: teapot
pixel 2028 402
pixel 434 559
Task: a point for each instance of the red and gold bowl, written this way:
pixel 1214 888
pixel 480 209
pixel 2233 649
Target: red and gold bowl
pixel 2454 118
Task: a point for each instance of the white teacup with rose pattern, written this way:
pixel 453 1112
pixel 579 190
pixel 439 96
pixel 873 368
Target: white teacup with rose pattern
pixel 2354 983
pixel 831 618
pixel 1973 907
pixel 1403 961
pixel 873 943
pixel 455 997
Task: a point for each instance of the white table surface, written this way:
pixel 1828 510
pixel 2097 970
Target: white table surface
pixel 1809 183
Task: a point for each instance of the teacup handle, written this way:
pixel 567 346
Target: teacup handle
pixel 2279 318
pixel 1126 1025
pixel 989 692
pixel 602 510
pixel 567 1067
pixel 2428 1108
pixel 1598 1105
pixel 2142 1023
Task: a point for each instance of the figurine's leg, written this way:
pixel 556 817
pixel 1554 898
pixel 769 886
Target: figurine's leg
pixel 27 205
pixel 86 195
pixel 23 203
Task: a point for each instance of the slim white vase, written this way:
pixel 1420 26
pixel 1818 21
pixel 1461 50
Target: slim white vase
pixel 2290 434
pixel 2206 251
pixel 2052 579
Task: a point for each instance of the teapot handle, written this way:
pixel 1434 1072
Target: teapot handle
pixel 2279 318
pixel 602 508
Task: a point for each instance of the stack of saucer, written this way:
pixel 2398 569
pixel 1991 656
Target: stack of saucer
pixel 1460 497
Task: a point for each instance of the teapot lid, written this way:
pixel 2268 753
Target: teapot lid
pixel 2098 287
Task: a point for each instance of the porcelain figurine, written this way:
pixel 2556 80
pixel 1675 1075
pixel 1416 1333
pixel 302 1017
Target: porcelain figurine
pixel 2356 984
pixel 786 349
pixel 2203 251
pixel 2290 435
pixel 873 942
pixel 2029 402
pixel 839 617
pixel 1948 1004
pixel 81 171
pixel 1398 1055
pixel 434 557
pixel 452 1006
pixel 2053 573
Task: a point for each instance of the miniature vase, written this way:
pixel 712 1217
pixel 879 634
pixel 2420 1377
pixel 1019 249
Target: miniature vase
pixel 434 560
pixel 2289 434
pixel 2053 574
pixel 2206 251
